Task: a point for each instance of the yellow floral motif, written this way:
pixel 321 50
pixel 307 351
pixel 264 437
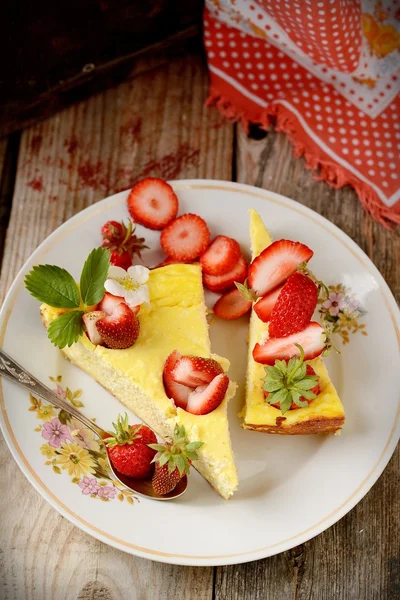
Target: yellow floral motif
pixel 382 39
pixel 47 451
pixel 45 412
pixel 76 459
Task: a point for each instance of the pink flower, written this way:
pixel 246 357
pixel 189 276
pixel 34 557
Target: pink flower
pixel 89 486
pixel 55 433
pixel 60 392
pixel 334 303
pixel 107 491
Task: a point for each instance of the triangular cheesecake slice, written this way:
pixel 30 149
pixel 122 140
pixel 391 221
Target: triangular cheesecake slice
pixel 175 320
pixel 324 414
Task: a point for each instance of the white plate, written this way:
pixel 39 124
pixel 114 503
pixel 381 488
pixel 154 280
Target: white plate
pixel 291 488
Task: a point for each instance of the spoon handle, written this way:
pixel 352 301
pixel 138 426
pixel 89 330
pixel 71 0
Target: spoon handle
pixel 12 370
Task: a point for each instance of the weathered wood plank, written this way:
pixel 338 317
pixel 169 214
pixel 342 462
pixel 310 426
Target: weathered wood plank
pixel 8 158
pixel 359 557
pixel 154 125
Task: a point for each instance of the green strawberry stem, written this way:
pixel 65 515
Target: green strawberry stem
pixel 178 454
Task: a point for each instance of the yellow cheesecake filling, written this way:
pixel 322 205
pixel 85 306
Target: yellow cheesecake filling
pixel 256 410
pixel 175 319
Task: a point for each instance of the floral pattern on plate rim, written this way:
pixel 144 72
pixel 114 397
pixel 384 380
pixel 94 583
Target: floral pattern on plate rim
pixel 342 312
pixel 71 447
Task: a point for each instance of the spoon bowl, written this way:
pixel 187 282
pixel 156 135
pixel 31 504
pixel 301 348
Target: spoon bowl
pixel 143 487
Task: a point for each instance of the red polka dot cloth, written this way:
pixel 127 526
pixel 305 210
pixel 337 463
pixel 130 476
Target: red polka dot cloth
pixel 326 72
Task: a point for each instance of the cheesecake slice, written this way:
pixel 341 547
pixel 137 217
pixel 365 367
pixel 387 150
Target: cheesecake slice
pixel 324 414
pixel 175 320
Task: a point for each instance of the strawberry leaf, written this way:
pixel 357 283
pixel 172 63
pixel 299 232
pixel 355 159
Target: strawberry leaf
pixel 53 286
pixel 94 275
pixel 66 329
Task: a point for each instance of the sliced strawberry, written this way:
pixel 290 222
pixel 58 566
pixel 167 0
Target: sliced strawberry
pixel 311 340
pixel 123 259
pixel 221 256
pixel 232 305
pixel 195 370
pixel 171 261
pixel 90 319
pixel 153 203
pixel 178 392
pixel 294 307
pixel 264 306
pixel 120 329
pixel 224 283
pixel 185 238
pixel 315 390
pixel 274 265
pixel 110 303
pixel 207 398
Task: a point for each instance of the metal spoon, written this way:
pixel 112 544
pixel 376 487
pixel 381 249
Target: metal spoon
pixel 12 370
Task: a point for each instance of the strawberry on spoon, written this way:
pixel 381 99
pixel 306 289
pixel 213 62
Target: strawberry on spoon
pixel 173 460
pixel 128 448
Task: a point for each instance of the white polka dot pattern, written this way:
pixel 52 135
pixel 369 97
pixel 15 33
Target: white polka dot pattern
pixel 348 121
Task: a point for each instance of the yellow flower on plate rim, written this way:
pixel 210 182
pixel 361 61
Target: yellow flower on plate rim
pixel 47 451
pixel 76 459
pixel 46 412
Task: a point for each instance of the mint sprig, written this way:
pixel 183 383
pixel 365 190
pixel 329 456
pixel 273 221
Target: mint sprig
pixel 93 276
pixel 54 286
pixel 66 329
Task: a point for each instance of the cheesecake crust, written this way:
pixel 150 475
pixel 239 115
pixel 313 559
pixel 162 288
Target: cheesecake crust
pixel 311 426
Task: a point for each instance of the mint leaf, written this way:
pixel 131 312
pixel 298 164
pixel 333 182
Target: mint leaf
pixel 66 329
pixel 53 286
pixel 94 274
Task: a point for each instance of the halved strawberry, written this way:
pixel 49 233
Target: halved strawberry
pixel 90 320
pixel 265 305
pixel 185 238
pixel 120 329
pixel 178 392
pixel 153 203
pixel 310 338
pixel 110 303
pixel 207 398
pixel 232 305
pixel 274 265
pixel 195 370
pixel 226 282
pixel 220 256
pixel 294 307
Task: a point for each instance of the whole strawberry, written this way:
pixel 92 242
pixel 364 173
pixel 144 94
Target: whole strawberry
pixel 172 461
pixel 122 242
pixel 129 448
pixel 112 232
pixel 294 306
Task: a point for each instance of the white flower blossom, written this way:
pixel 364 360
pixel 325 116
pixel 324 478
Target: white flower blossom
pixel 130 284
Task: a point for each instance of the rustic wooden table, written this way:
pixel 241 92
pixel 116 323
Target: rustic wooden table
pixel 156 124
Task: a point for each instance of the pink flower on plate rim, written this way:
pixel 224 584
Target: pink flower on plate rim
pixel 106 491
pixel 334 303
pixel 89 486
pixel 55 433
